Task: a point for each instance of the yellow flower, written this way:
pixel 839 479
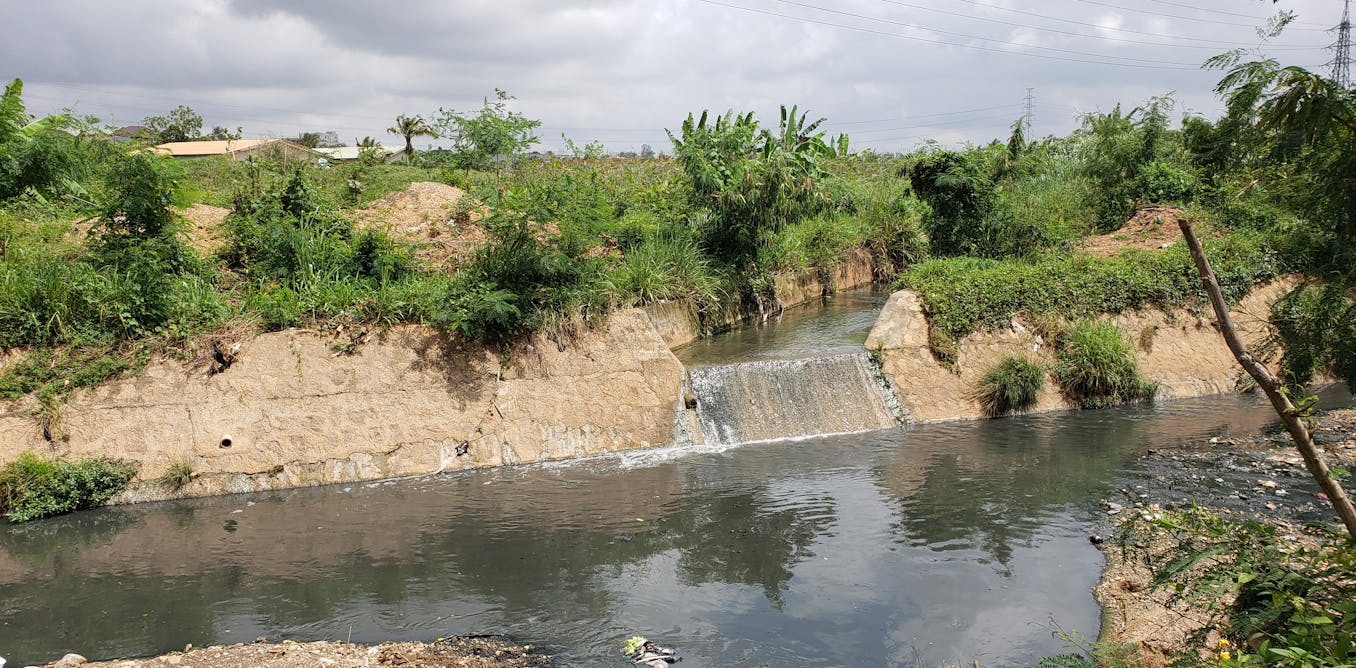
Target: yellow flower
pixel 1224 656
pixel 1223 642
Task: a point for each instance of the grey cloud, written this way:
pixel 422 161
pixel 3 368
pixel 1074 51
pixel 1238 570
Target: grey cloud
pixel 627 67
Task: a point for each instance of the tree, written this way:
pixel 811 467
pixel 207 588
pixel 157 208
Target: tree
pixel 493 133
pixel 1295 418
pixel 410 127
pixel 180 124
pixel 309 139
pixel 1297 130
pixel 220 132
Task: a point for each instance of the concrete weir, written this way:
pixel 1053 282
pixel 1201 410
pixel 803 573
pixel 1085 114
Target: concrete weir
pixel 770 400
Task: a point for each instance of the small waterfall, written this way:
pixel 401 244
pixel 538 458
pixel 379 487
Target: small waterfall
pixel 776 399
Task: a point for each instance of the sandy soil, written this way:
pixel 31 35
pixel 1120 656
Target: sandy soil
pixel 449 653
pixel 1259 476
pixel 204 231
pixel 1152 228
pixel 437 218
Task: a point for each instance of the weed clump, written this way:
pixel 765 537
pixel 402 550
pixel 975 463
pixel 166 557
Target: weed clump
pixel 179 474
pixel 1010 386
pixel 32 487
pixel 1097 367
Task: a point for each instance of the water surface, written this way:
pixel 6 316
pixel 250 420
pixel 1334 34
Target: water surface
pixel 833 325
pixel 912 547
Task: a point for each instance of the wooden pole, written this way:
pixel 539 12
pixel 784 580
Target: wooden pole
pixel 1294 423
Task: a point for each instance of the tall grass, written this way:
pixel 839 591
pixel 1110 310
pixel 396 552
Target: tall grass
pixel 1010 386
pixel 1097 366
pixel 664 267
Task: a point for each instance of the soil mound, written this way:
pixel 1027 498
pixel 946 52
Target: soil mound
pixel 205 233
pixel 1152 228
pixel 437 218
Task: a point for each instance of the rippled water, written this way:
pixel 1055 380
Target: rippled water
pixel 923 546
pixel 913 547
pixel 836 324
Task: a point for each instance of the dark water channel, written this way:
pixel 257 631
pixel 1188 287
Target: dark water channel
pixel 912 547
pixel 837 324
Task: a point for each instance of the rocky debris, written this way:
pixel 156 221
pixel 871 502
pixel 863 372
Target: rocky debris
pixel 455 652
pixel 1258 476
pixel 642 652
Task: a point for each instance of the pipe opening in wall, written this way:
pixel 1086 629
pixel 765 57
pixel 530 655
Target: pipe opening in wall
pixel 225 441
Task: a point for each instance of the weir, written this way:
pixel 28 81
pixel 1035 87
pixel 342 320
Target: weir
pixel 768 400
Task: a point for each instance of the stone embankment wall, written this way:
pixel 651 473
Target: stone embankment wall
pixel 1181 350
pixel 292 412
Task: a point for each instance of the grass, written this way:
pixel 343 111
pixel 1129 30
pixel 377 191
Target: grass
pixel 33 487
pixel 180 472
pixel 1010 386
pixel 1097 366
pixel 965 295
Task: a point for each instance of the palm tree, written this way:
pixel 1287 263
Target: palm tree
pixel 410 127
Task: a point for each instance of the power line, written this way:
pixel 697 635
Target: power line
pixel 1341 57
pixel 1047 17
pixel 1030 115
pixel 1196 43
pixel 915 38
pixel 976 37
pixel 1221 11
pixel 1180 17
pixel 915 116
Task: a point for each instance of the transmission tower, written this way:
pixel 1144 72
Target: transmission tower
pixel 1341 58
pixel 1030 114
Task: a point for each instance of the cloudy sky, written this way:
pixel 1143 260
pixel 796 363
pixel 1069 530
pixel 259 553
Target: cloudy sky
pixel 890 73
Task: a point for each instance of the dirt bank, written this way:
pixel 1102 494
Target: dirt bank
pixel 302 408
pixel 1180 350
pixel 1258 476
pixel 444 653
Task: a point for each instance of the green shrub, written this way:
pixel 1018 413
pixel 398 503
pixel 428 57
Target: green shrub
pixel 1294 601
pixel 519 280
pixel 1317 328
pixel 1010 386
pixel 968 213
pixel 51 373
pixel 1097 366
pixel 32 487
pixel 964 295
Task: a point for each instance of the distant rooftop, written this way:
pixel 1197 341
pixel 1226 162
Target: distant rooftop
pixel 191 149
pixel 353 152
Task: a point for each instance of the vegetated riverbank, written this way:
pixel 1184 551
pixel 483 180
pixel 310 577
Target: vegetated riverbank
pixel 1159 520
pixel 469 652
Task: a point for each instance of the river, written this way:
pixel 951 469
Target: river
pixel 918 546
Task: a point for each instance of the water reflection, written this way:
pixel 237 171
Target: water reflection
pixel 940 543
pixel 836 324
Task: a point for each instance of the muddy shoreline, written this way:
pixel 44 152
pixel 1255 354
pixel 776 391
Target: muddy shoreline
pixel 1258 476
pixel 456 652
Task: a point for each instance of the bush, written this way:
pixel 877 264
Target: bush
pixel 518 281
pixel 969 215
pixel 1294 601
pixel 32 487
pixel 1317 329
pixel 1010 386
pixel 964 295
pixel 1097 366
